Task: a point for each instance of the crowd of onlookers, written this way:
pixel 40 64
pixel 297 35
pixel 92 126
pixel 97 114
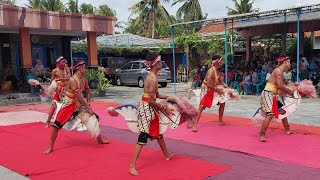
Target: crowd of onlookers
pixel 252 77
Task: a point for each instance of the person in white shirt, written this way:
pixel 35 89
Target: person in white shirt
pixel 288 75
pixel 268 74
pixel 305 63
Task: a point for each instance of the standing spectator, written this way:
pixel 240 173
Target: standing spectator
pixel 203 72
pixel 197 78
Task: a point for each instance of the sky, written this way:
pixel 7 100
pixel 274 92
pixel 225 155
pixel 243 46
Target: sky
pixel 214 8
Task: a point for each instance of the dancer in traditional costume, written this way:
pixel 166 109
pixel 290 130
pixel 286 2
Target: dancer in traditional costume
pixel 146 118
pixel 210 86
pixel 73 102
pixel 149 112
pixel 59 77
pixel 269 96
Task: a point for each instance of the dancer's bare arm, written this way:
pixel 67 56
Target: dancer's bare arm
pixel 88 91
pixel 68 72
pixel 53 74
pixel 280 84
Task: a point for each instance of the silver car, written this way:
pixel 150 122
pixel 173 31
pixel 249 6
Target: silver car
pixel 135 72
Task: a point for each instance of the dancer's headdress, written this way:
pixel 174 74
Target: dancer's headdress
pixel 61 59
pixel 152 62
pixel 283 58
pixel 78 65
pixel 215 59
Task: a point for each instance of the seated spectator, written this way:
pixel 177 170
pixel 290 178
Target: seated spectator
pixel 316 68
pixel 254 75
pixel 288 75
pixel 9 76
pixel 238 79
pixel 268 74
pixel 305 62
pixel 315 78
pixel 246 80
pixel 265 66
pixel 305 74
pixel 230 75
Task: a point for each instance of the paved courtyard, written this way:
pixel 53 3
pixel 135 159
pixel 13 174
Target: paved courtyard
pixel 307 113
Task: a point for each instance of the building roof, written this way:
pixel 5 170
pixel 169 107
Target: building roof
pixel 308 16
pixel 215 28
pixel 12 18
pixel 127 41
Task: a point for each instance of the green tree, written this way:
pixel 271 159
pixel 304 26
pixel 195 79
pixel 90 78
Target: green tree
pixel 9 2
pixel 52 5
pixel 87 9
pixel 34 4
pixel 189 11
pixel 73 6
pixel 150 12
pixel 105 10
pixel 242 7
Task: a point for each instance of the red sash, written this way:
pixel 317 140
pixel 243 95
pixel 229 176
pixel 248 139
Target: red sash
pixel 275 107
pixel 207 99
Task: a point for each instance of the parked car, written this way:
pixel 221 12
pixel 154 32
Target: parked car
pixel 135 72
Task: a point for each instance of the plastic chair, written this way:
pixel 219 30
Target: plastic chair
pixel 261 82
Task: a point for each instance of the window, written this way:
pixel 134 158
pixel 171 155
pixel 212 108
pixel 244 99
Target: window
pixel 135 66
pixel 127 66
pixel 142 66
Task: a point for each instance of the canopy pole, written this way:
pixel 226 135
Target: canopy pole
pixel 225 52
pixel 232 44
pixel 298 44
pixel 174 63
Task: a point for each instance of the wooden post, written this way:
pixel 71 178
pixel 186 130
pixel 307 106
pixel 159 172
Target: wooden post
pixel 92 49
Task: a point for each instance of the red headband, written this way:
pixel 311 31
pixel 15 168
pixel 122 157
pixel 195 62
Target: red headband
pixel 78 65
pixel 61 58
pixel 215 62
pixel 153 62
pixel 284 58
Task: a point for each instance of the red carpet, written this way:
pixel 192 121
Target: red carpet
pixel 296 149
pixel 77 156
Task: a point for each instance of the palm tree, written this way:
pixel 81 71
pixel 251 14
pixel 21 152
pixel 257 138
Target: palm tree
pixel 52 5
pixel 34 4
pixel 87 9
pixel 9 2
pixel 105 10
pixel 73 6
pixel 242 7
pixel 189 11
pixel 149 11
